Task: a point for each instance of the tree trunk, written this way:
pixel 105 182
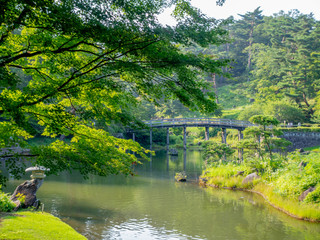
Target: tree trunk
pixel 250 47
pixel 215 87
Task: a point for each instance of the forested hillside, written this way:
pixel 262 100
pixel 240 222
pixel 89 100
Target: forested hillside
pixel 275 68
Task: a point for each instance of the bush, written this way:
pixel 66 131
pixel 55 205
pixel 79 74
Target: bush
pixel 313 197
pixel 293 180
pixel 226 170
pixel 213 151
pixel 252 110
pixel 284 111
pixel 281 110
pixel 6 205
pixel 176 139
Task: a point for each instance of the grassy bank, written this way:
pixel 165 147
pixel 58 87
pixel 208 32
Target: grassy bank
pixel 281 182
pixel 35 225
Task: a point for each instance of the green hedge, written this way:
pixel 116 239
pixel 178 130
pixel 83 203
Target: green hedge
pixel 301 129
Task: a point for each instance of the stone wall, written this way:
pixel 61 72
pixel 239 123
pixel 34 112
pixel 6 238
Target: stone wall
pixel 302 139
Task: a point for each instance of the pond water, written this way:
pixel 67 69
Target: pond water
pixel 153 206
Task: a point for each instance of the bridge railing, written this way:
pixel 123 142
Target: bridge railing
pixel 201 121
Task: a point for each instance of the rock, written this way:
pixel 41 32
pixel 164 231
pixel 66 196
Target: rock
pixel 203 179
pixel 251 100
pixel 300 150
pixel 250 178
pixel 181 177
pixel 302 164
pixel 305 193
pixel 28 189
pixel 182 180
pixel 173 151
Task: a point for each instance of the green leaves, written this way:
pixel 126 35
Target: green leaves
pixel 74 68
pixel 216 151
pixel 6 205
pixel 264 138
pixel 293 180
pixel 91 151
pixel 264 120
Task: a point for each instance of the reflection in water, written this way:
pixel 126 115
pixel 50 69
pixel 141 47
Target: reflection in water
pixel 167 158
pixel 184 160
pixel 153 206
pixel 141 229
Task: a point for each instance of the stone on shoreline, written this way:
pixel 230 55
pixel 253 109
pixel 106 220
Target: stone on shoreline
pixel 250 178
pixel 173 152
pixel 305 193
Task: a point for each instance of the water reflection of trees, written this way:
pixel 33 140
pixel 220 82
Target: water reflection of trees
pixel 260 220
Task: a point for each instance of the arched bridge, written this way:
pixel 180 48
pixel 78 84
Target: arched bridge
pixel 224 124
pixel 198 122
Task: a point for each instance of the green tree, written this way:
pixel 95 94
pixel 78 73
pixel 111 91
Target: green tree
pixel 244 33
pixel 72 66
pixel 214 152
pixel 287 66
pixel 284 111
pixel 263 138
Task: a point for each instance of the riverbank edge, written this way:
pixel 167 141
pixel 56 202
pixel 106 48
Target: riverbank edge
pixel 203 184
pixel 46 226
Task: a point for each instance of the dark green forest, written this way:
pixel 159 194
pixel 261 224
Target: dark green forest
pixel 274 69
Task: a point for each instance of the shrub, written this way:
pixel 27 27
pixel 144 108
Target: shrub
pixel 313 197
pixel 281 110
pixel 225 170
pixel 6 205
pixel 249 111
pixel 293 180
pixel 284 111
pixel 214 151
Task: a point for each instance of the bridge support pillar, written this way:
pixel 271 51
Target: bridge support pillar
pixel 224 135
pixel 168 139
pixel 224 140
pixel 240 151
pixel 184 160
pixel 150 138
pixel 207 134
pixel 185 138
pixel 133 137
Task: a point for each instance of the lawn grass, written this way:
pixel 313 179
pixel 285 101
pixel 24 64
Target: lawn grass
pixel 35 225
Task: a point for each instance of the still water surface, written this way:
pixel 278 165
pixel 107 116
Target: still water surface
pixel 153 206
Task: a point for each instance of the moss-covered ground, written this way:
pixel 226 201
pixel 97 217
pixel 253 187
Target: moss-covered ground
pixel 35 225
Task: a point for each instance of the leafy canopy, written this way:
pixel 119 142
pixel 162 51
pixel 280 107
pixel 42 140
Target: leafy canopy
pixel 67 66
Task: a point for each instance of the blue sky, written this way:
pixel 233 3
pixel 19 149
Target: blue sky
pixel 234 7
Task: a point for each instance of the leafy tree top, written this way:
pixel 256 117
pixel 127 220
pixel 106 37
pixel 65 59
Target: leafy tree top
pixel 264 120
pixel 70 67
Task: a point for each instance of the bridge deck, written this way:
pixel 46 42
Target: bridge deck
pixel 198 122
